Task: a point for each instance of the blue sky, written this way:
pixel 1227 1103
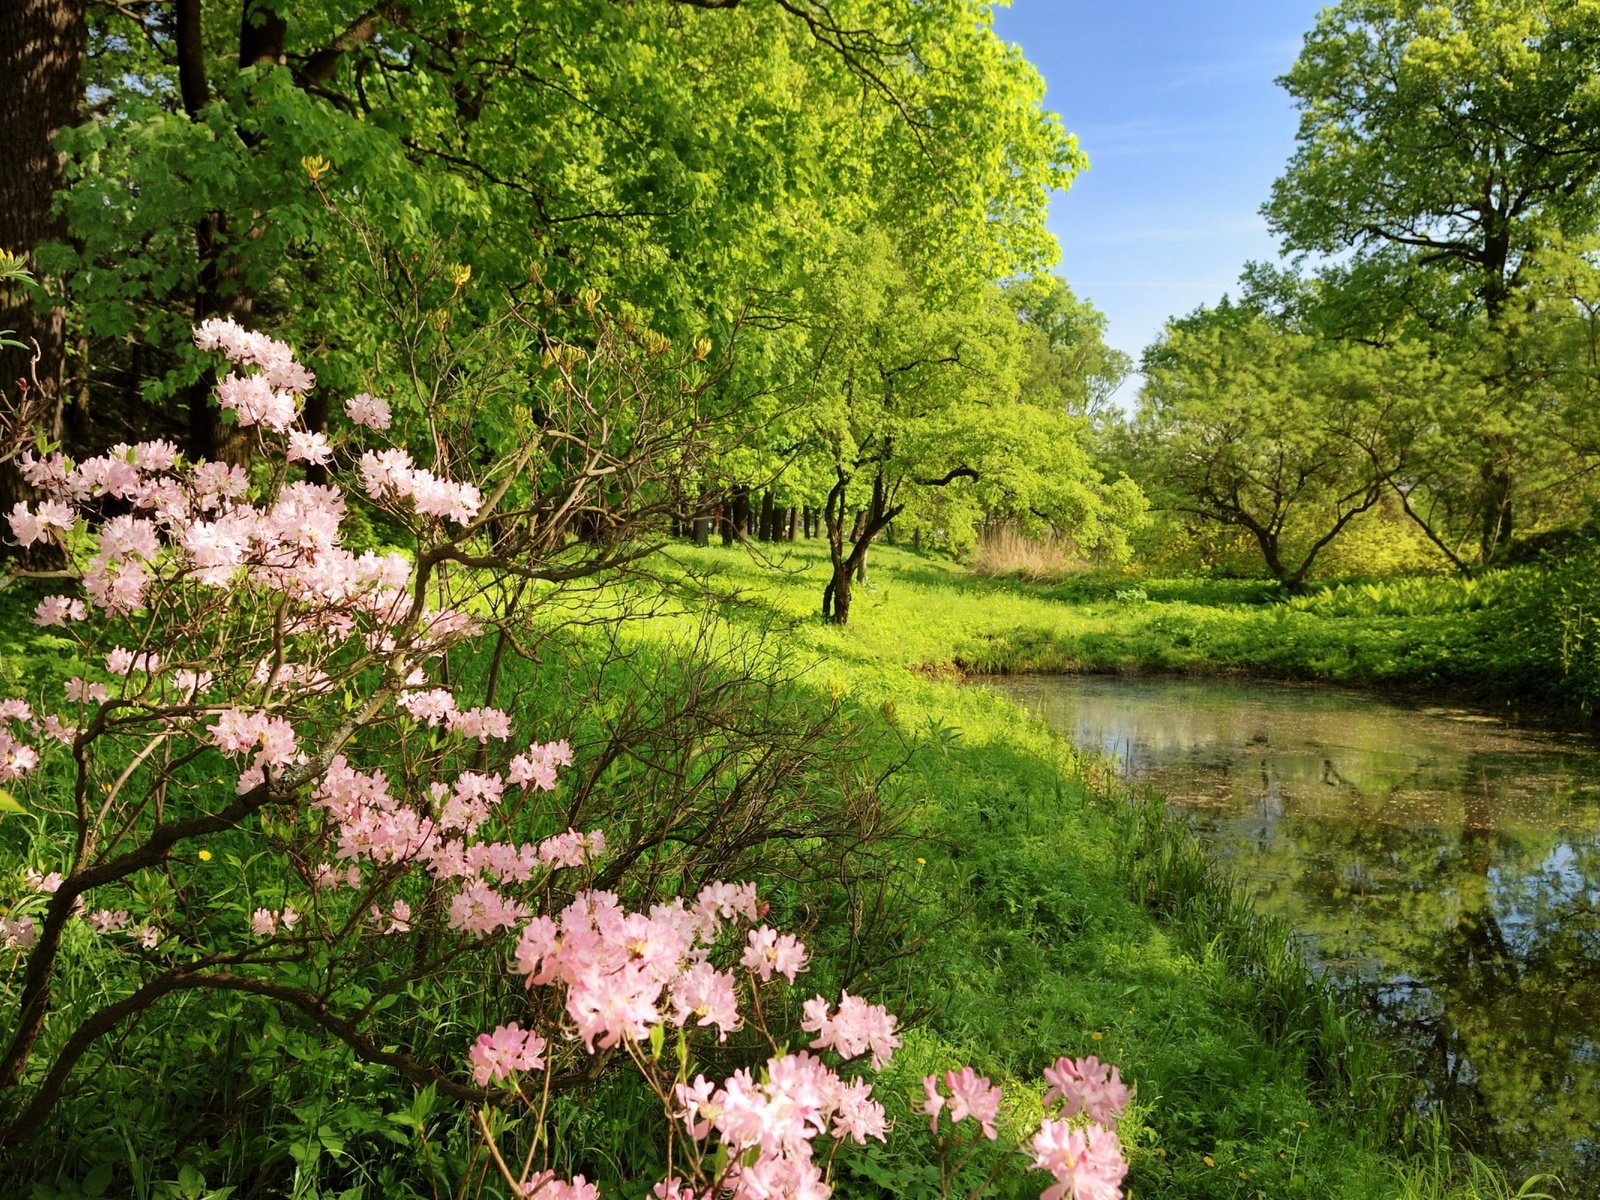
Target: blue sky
pixel 1175 105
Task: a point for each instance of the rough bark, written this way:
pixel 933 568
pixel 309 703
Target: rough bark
pixel 41 54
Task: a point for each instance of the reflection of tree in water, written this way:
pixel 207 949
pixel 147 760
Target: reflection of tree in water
pixel 1453 872
pixel 1505 1023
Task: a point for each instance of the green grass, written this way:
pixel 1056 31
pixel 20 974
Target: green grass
pixel 1521 635
pixel 1073 920
pixel 1045 912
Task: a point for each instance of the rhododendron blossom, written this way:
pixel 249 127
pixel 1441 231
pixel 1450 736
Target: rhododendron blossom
pixel 505 1052
pixel 970 1095
pixel 1085 1161
pixel 227 628
pixel 1087 1086
pixel 58 610
pixel 855 1029
pixel 368 410
pixel 769 951
pixel 545 1186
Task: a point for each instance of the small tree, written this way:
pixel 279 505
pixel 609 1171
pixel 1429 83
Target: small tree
pixel 1280 434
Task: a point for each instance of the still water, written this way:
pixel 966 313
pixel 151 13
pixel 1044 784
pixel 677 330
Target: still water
pixel 1444 863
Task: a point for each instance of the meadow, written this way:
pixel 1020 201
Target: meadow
pixel 1005 894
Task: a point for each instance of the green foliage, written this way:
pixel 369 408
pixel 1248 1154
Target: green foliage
pixel 1285 436
pixel 1440 158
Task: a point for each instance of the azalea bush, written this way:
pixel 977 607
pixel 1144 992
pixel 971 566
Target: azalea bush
pixel 282 771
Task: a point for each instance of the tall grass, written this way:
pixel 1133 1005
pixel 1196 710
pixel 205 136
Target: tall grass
pixel 1005 552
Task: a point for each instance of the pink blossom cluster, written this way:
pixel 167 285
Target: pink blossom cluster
pixel 366 409
pixel 437 707
pixel 854 1029
pixel 627 972
pixel 389 475
pixel 769 952
pixel 273 739
pixel 967 1094
pixel 769 1126
pixel 545 1186
pixel 1085 1161
pixel 510 1049
pixel 17 757
pixel 371 824
pixel 537 768
pixel 1087 1086
pixel 264 922
pixel 269 396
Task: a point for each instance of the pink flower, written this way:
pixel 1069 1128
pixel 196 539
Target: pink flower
pixel 858 1116
pixel 1086 1162
pixel 433 707
pixel 707 994
pixel 972 1095
pixel 545 1186
pixel 572 849
pixel 480 910
pixel 21 932
pixel 933 1104
pixel 256 402
pixel 17 758
pixel 46 884
pixel 537 768
pixel 263 922
pixel 30 527
pixel 78 690
pixel 858 1027
pixel 58 610
pixel 509 1049
pixel 699 1106
pixel 610 1006
pixel 399 918
pixel 105 921
pixel 481 724
pixel 366 409
pixel 1087 1086
pixel 309 448
pixel 769 952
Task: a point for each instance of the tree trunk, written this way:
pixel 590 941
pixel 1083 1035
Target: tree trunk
pixel 791 522
pixel 741 511
pixel 1495 514
pixel 41 53
pixel 222 290
pixel 868 523
pixel 769 517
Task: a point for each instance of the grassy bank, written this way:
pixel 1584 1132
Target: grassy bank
pixel 1072 920
pixel 940 851
pixel 1520 636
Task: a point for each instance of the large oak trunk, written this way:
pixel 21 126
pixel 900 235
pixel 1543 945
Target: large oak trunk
pixel 41 53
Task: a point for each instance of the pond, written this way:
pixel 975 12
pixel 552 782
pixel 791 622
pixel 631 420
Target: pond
pixel 1440 861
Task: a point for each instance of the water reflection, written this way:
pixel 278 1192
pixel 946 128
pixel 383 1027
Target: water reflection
pixel 1445 863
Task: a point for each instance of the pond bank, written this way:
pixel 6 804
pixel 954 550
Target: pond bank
pixel 1440 863
pixel 1071 920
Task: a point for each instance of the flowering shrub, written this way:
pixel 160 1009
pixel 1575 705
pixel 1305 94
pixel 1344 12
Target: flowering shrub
pixel 250 681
